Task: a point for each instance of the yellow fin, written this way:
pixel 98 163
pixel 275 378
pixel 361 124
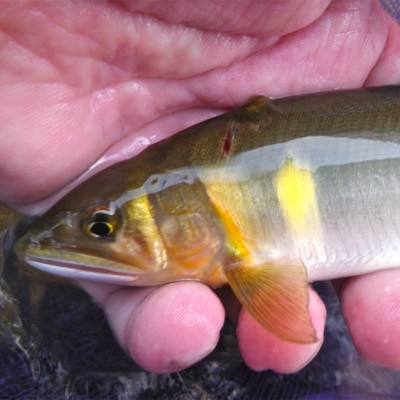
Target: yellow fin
pixel 276 295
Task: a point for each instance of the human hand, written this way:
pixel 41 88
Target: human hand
pixel 79 81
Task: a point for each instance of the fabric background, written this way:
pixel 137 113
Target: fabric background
pixel 62 348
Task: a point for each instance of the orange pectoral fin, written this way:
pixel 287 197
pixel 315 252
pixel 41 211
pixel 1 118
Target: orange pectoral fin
pixel 276 295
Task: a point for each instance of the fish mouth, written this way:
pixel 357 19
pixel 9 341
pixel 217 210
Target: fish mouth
pixel 88 268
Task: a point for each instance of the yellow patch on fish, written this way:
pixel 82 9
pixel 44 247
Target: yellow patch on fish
pixel 295 189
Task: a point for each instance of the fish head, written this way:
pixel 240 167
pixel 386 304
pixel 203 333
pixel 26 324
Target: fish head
pixel 131 235
pixel 78 243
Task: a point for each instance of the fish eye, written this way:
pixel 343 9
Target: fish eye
pixel 100 228
pixel 99 222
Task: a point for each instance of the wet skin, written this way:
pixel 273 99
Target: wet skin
pixel 140 76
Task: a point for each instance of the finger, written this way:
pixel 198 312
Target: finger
pixel 261 350
pixel 387 68
pixel 168 328
pixel 371 309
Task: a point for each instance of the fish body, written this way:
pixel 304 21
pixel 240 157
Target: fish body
pixel 266 198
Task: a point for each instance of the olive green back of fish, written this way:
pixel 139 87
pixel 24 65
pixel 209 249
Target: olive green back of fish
pixel 367 113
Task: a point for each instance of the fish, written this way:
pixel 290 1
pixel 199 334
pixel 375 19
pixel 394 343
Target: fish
pixel 266 198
